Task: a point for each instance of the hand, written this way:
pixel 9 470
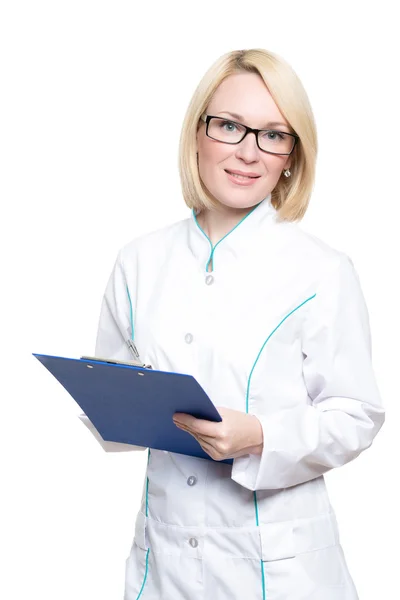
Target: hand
pixel 236 435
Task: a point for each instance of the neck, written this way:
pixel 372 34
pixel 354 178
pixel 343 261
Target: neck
pixel 218 222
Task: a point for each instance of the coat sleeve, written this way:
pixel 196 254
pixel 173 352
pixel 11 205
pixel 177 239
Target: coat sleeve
pixel 115 328
pixel 344 410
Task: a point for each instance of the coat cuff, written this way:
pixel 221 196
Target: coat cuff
pixel 246 469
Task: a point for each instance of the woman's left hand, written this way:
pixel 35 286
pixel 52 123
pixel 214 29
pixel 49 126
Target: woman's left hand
pixel 236 435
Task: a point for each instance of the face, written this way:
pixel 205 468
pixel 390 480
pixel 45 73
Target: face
pixel 246 95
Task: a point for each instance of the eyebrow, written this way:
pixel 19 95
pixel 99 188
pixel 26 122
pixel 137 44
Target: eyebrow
pixel 270 124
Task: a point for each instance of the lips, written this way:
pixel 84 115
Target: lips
pixel 242 174
pixel 240 180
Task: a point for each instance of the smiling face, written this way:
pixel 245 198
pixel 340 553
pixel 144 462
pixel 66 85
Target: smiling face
pixel 247 97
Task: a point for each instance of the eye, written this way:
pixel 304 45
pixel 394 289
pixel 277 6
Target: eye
pixel 275 135
pixel 228 125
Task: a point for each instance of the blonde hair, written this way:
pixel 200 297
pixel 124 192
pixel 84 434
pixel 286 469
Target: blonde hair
pixel 291 195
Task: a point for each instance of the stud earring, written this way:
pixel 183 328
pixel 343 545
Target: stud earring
pixel 286 173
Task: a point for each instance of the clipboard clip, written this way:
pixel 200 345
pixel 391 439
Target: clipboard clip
pixel 115 361
pixel 136 362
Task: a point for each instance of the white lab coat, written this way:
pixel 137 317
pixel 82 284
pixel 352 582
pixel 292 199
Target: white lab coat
pixel 271 321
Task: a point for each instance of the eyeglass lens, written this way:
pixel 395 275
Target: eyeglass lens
pixel 272 141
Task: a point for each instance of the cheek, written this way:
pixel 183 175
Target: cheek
pixel 211 155
pixel 273 165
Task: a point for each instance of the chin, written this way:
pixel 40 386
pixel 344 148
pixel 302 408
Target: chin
pixel 242 200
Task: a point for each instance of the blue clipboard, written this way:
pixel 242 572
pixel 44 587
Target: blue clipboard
pixel 134 405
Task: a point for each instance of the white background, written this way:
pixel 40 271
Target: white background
pixel 93 96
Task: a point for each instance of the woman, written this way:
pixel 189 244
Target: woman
pixel 272 322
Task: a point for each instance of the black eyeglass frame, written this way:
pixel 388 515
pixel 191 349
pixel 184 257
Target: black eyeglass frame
pixel 207 119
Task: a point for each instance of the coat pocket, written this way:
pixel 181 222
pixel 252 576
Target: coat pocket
pixel 136 573
pixel 137 563
pixel 287 539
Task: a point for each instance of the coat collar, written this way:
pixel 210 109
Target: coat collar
pixel 236 242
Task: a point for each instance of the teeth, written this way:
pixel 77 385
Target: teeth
pixel 240 176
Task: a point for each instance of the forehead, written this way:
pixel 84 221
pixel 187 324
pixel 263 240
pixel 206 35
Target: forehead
pixel 247 95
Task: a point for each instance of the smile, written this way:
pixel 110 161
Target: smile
pixel 242 176
pixel 241 179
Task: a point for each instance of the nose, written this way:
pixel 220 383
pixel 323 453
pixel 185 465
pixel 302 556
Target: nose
pixel 248 150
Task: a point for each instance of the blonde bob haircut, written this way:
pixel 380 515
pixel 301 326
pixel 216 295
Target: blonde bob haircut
pixel 291 195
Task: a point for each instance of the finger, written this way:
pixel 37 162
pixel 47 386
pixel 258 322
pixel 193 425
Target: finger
pixel 183 427
pixel 210 449
pixel 208 444
pixel 200 426
pixel 184 419
pixel 207 439
pixel 205 442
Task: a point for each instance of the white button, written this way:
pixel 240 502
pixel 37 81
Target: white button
pixel 193 542
pixel 192 480
pixel 188 338
pixel 209 279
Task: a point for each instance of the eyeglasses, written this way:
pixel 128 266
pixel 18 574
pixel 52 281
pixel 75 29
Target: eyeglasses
pixel 231 132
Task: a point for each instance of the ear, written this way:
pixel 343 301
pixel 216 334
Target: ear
pixel 288 163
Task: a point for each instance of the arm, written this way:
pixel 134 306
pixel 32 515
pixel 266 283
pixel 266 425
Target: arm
pixel 345 411
pixel 114 329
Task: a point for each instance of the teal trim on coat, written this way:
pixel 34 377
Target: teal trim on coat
pixel 247 410
pixel 148 456
pixel 203 232
pixel 145 575
pixel 262 347
pixel 211 259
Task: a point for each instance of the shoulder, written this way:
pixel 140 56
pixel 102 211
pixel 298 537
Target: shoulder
pixel 331 275
pixel 309 252
pixel 154 244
